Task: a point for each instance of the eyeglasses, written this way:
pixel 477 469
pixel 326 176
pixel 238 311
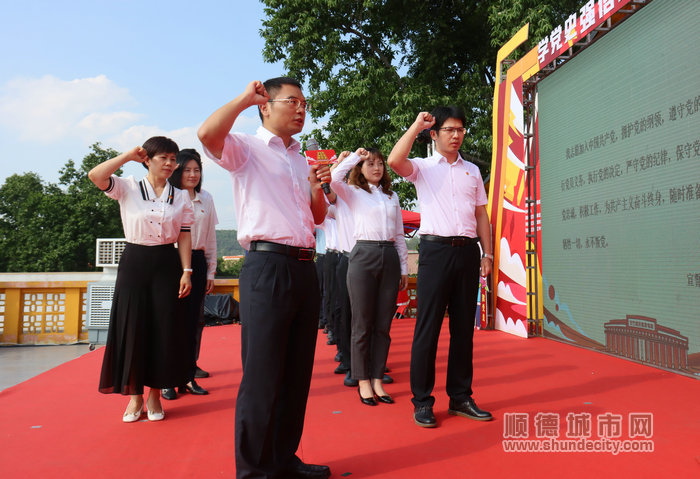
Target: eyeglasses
pixel 295 102
pixel 453 130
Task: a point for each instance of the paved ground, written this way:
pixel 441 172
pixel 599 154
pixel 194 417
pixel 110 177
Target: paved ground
pixel 19 363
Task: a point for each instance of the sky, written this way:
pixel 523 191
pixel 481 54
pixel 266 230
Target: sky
pixel 76 72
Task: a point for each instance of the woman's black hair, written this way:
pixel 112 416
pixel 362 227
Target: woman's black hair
pixel 157 145
pixel 184 157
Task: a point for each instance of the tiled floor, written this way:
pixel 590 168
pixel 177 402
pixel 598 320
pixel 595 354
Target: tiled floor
pixel 19 363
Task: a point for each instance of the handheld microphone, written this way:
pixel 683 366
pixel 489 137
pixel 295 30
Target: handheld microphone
pixel 312 144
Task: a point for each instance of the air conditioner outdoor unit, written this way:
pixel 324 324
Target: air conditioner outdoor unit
pixel 100 293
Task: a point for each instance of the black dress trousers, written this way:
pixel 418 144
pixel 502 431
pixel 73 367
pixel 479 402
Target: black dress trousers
pixel 279 307
pixel 330 287
pixel 344 320
pixel 195 303
pixel 320 264
pixel 448 278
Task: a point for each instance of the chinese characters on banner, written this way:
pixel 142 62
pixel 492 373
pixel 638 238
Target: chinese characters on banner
pixel 577 26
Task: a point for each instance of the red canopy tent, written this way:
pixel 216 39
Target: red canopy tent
pixel 411 222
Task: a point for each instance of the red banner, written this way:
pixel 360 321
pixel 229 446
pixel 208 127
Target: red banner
pixel 577 26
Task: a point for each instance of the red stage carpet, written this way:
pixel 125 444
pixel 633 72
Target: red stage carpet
pixel 57 425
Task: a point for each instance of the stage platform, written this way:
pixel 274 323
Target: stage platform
pixel 56 424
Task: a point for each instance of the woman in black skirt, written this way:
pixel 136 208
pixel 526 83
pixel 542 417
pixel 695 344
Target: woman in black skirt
pixel 146 336
pixel 377 265
pixel 188 177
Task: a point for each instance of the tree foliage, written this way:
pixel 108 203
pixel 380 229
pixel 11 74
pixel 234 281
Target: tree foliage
pixel 227 243
pixel 53 227
pixel 372 65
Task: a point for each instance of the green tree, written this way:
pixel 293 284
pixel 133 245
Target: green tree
pixel 92 214
pixel 372 65
pixel 227 243
pixel 228 269
pixel 28 215
pixel 44 227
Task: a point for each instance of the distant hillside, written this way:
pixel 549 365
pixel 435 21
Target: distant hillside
pixel 227 244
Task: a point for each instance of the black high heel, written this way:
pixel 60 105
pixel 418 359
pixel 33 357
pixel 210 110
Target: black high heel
pixel 386 399
pixel 368 401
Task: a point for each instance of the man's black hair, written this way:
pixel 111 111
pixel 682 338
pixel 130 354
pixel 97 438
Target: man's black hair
pixel 273 85
pixel 444 113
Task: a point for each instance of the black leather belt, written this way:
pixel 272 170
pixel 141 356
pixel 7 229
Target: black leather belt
pixel 302 254
pixel 450 240
pixel 376 243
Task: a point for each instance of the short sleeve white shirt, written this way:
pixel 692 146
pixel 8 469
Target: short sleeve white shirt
pixel 447 195
pixel 271 191
pixel 148 219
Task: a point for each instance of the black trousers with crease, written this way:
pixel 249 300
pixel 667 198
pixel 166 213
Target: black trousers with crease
pixel 448 278
pixel 279 307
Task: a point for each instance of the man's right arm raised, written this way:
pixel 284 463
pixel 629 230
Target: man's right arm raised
pixel 398 158
pixel 214 130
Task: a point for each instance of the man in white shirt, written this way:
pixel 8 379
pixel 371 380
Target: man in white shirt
pixel 278 199
pixel 452 203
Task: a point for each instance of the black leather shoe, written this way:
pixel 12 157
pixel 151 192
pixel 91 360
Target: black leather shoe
pixel 310 471
pixel 468 409
pixel 386 399
pixel 368 401
pixel 200 373
pixel 338 357
pixel 423 416
pixel 168 393
pixel 387 379
pixel 341 369
pixel 349 381
pixel 194 389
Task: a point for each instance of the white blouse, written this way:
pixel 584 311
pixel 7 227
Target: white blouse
pixel 346 225
pixel 203 229
pixel 377 217
pixel 148 219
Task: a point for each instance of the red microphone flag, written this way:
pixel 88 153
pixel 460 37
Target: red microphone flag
pixel 320 157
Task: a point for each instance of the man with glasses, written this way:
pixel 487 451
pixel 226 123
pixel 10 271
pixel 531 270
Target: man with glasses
pixel 452 203
pixel 278 199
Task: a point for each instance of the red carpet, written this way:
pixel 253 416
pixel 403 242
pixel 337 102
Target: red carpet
pixel 58 425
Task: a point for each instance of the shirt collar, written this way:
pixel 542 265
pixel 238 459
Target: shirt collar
pixel 267 136
pixel 439 157
pixel 196 196
pixel 150 193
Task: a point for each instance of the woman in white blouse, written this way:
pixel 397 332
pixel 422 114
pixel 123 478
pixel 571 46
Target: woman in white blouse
pixel 377 265
pixel 146 337
pixel 188 177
